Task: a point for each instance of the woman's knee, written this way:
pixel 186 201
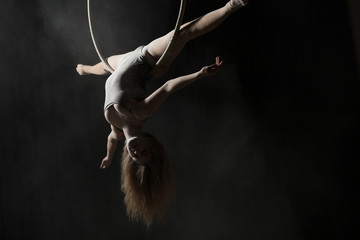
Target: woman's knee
pixel 186 32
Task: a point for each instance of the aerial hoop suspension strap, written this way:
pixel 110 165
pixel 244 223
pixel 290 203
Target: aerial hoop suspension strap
pixel 168 48
pixel 107 66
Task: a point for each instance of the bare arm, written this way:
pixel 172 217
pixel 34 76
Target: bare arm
pixel 146 108
pixel 114 137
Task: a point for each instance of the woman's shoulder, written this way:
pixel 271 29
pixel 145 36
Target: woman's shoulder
pixel 137 108
pixel 118 116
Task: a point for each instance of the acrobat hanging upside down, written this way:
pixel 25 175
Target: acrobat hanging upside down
pixel 146 175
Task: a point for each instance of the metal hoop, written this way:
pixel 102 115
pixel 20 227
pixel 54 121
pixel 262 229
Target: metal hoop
pixel 109 68
pixel 176 31
pixel 168 48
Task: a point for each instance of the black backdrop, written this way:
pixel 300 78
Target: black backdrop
pixel 266 149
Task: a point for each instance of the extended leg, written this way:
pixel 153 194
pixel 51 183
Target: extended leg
pixel 190 31
pixel 99 68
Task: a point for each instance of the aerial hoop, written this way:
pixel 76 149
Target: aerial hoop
pixel 168 48
pixel 107 66
pixel 176 31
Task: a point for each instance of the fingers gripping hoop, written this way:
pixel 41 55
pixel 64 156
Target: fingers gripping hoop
pixel 168 48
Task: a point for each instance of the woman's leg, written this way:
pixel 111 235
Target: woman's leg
pixel 99 68
pixel 190 31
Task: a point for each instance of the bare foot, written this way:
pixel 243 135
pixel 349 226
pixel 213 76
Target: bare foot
pixel 80 70
pixel 235 4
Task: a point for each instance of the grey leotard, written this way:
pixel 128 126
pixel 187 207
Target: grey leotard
pixel 128 80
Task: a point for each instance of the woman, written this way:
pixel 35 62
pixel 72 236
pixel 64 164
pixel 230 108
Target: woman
pixel 146 176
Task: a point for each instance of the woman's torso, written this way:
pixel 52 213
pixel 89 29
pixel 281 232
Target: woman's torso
pixel 128 80
pixel 125 83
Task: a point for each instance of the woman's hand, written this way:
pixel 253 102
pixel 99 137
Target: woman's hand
pixel 212 69
pixel 105 163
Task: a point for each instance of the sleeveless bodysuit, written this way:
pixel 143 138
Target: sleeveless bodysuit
pixel 128 80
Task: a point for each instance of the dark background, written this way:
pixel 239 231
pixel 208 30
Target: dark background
pixel 266 149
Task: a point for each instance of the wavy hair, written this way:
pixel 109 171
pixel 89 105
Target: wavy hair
pixel 149 187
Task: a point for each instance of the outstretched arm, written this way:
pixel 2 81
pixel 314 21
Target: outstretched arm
pixel 146 108
pixel 114 137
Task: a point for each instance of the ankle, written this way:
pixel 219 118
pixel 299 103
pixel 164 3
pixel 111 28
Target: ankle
pixel 235 5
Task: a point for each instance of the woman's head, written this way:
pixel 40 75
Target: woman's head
pixel 146 180
pixel 140 148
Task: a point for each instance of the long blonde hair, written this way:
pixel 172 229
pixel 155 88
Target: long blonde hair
pixel 149 187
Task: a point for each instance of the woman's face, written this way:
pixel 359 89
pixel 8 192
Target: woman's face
pixel 139 150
